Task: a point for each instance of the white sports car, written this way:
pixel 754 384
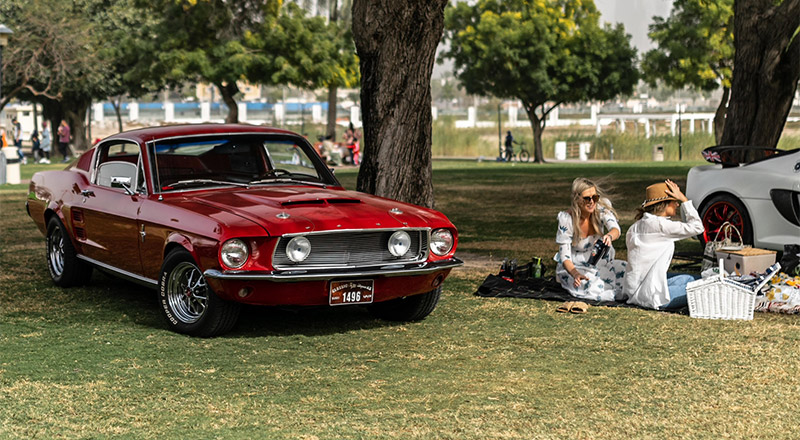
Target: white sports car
pixel 756 189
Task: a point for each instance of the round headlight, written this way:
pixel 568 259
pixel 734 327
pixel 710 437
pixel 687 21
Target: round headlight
pixel 298 249
pixel 441 241
pixel 234 253
pixel 399 243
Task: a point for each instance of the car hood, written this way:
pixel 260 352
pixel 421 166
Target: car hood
pixel 285 210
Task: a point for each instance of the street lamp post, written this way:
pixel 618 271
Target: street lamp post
pixel 680 132
pixel 4 33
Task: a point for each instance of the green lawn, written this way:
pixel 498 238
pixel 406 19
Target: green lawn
pixel 98 362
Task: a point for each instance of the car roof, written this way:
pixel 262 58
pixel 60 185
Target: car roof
pixel 169 131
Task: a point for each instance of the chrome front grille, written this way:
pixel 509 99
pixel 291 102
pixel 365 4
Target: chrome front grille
pixel 353 249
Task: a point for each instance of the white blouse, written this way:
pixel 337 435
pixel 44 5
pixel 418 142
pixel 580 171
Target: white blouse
pixel 651 244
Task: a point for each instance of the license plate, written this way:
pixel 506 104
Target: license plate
pixel 351 292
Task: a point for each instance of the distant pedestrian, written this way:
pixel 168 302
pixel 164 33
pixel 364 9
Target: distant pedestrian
pixel 35 146
pixel 509 143
pixel 16 133
pixel 46 143
pixel 63 140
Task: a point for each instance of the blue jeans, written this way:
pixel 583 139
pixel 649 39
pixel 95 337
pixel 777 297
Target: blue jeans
pixel 677 290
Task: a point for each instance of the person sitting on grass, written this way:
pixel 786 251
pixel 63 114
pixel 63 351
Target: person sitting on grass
pixel 651 244
pixel 590 215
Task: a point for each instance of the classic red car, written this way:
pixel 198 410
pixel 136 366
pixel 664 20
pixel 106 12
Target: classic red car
pixel 217 215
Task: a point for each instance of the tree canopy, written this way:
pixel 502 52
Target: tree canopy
pixel 695 49
pixel 542 53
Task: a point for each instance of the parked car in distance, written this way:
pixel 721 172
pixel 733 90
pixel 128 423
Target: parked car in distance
pixel 213 216
pixel 755 189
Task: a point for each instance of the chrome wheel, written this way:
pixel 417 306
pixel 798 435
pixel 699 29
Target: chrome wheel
pixel 187 292
pixel 55 251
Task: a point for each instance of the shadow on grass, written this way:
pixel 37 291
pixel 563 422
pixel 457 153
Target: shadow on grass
pixel 107 298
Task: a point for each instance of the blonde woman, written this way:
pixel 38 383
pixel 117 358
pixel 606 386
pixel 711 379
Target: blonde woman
pixel 590 218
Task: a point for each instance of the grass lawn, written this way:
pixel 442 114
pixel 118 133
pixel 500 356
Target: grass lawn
pixel 98 362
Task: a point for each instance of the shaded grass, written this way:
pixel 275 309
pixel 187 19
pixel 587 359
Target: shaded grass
pixel 98 362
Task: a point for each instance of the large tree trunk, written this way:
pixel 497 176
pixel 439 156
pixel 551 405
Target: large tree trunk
pixel 766 71
pixel 719 115
pixel 228 91
pixel 396 43
pixel 331 128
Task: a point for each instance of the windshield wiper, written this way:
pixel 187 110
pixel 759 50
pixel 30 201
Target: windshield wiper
pixel 286 180
pixel 204 182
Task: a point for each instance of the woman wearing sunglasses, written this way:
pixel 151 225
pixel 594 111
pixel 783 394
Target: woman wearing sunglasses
pixel 651 244
pixel 590 218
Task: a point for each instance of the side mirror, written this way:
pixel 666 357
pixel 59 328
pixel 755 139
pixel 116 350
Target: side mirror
pixel 122 182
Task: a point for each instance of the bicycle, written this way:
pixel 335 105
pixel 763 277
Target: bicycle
pixel 522 156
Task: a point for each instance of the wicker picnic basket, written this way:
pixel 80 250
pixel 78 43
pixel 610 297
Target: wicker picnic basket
pixel 716 297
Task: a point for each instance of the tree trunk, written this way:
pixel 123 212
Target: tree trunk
pixel 719 115
pixel 75 119
pixel 331 128
pixel 537 124
pixel 117 103
pixel 766 71
pixel 228 91
pixel 396 43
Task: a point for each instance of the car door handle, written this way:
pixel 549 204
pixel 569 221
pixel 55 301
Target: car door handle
pixel 87 193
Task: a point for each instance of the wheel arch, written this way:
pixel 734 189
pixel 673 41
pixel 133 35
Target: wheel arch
pixel 50 213
pixel 702 205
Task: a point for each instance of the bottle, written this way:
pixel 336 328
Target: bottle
pixel 598 251
pixel 537 267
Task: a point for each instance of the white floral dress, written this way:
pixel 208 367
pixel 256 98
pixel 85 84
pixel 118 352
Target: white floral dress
pixel 605 280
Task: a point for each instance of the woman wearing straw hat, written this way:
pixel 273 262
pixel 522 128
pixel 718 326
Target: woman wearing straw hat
pixel 651 244
pixel 589 216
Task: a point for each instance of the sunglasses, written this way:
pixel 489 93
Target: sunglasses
pixel 590 199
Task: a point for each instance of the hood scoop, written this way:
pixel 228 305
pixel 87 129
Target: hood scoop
pixel 318 202
pixel 343 201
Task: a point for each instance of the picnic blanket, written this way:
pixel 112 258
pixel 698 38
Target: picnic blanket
pixel 547 288
pixel 537 288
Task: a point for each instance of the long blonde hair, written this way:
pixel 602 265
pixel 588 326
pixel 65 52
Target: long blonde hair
pixel 579 185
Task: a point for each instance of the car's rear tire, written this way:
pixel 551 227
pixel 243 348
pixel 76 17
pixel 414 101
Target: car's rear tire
pixel 725 208
pixel 187 303
pixel 409 308
pixel 66 269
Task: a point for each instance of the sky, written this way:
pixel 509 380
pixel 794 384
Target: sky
pixel 636 15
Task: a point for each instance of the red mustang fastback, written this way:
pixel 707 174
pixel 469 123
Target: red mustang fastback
pixel 217 215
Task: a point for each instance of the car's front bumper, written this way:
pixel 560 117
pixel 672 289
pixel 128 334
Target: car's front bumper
pixel 313 287
pixel 290 276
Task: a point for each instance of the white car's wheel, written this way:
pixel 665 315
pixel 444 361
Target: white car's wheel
pixel 725 208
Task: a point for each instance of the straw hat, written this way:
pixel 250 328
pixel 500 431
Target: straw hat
pixel 656 193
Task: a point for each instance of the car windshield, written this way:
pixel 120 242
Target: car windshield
pixel 237 160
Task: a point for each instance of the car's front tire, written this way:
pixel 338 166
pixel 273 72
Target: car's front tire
pixel 725 208
pixel 66 269
pixel 410 308
pixel 186 301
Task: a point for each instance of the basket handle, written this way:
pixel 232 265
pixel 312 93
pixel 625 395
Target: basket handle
pixel 721 228
pixel 728 226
